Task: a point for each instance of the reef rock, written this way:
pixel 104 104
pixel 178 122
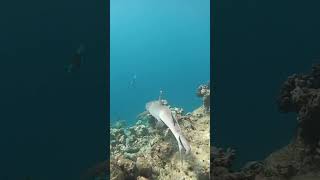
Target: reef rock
pixel 301 94
pixel 300 159
pixel 203 91
pixel 144 167
pixel 116 172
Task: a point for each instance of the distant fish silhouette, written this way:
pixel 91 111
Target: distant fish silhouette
pixel 76 61
pixel 133 81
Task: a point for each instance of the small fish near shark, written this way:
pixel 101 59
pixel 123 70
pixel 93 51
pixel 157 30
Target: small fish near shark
pixel 163 114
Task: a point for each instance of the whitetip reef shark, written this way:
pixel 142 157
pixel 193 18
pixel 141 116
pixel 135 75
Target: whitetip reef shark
pixel 163 114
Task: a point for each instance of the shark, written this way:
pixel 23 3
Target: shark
pixel 164 115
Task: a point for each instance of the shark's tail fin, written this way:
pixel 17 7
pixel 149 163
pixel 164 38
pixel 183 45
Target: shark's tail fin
pixel 180 151
pixel 185 144
pixel 181 139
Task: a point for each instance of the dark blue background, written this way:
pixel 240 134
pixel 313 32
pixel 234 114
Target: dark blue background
pixel 256 45
pixel 53 124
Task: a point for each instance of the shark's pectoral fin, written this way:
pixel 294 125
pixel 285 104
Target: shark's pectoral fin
pixel 141 115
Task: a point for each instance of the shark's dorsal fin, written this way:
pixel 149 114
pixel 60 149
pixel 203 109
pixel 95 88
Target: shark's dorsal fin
pixel 160 97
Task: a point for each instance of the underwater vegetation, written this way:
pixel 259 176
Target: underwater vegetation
pixel 154 148
pixel 300 159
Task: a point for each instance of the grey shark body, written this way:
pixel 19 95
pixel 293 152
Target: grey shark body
pixel 163 113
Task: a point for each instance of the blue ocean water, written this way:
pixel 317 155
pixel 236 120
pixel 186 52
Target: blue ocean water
pixel 166 45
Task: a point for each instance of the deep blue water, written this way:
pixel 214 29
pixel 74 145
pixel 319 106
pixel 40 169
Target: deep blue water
pixel 257 45
pixel 166 44
pixel 52 123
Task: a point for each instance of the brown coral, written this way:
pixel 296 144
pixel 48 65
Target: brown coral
pixel 301 94
pixel 203 91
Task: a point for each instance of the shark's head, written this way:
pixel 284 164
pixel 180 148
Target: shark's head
pixel 152 103
pixel 148 105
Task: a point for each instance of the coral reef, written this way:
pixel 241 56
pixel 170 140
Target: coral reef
pixel 301 94
pixel 143 151
pixel 203 91
pixel 221 162
pixel 300 159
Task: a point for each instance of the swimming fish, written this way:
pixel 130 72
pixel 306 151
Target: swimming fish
pixel 133 81
pixel 76 61
pixel 163 114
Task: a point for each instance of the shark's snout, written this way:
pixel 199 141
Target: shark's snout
pixel 148 106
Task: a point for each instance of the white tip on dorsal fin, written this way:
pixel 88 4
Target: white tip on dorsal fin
pixel 160 97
